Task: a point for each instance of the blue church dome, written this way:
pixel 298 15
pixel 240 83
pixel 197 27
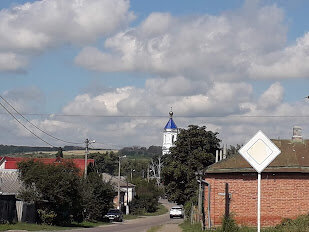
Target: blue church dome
pixel 170 124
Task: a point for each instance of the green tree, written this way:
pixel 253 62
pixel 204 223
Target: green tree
pixel 194 150
pixel 97 197
pixel 146 198
pixel 107 162
pixel 55 190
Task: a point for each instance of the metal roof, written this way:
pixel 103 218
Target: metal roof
pixel 294 157
pixel 170 124
pixel 10 183
pixel 114 181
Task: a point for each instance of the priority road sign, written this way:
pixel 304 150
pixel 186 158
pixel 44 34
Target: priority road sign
pixel 260 151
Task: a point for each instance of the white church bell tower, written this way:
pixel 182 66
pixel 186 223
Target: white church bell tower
pixel 169 135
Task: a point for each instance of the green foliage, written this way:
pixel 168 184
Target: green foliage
pixel 188 227
pixel 137 152
pixel 300 224
pixel 46 216
pixel 53 188
pixel 147 197
pixel 107 162
pixel 233 150
pixel 229 224
pixel 137 166
pixel 194 151
pixel 97 197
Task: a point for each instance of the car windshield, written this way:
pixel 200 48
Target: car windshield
pixel 180 208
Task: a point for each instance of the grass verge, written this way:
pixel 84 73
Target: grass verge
pixel 155 228
pixel 161 210
pixel 300 224
pixel 38 227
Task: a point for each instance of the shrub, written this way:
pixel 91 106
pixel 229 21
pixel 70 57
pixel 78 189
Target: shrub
pixel 47 216
pixel 229 224
pixel 146 199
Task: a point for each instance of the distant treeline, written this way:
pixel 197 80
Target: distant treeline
pixel 137 151
pixel 11 149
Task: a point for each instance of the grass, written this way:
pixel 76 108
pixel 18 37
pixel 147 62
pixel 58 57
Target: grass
pixel 187 227
pixel 37 227
pixel 155 228
pixel 161 210
pixel 300 224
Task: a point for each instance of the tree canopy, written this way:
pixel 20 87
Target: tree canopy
pixel 194 150
pixel 55 189
pixel 61 195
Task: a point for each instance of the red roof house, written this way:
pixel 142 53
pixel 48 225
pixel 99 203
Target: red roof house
pixel 12 162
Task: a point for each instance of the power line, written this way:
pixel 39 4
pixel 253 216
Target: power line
pixel 164 116
pixel 25 126
pixel 35 125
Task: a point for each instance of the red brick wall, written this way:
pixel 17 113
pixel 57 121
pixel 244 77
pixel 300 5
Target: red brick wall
pixel 283 195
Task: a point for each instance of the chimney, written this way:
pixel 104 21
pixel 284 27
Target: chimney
pixel 217 156
pixel 297 134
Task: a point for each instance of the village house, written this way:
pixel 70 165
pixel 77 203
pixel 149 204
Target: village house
pixel 127 190
pixel 284 186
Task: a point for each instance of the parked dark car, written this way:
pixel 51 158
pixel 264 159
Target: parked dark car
pixel 114 215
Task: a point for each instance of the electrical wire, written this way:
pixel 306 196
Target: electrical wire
pixel 36 126
pixel 164 116
pixel 26 127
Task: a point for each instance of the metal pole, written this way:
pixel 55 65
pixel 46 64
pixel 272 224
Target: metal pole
pixel 209 219
pixel 227 199
pixel 259 202
pixel 200 198
pixel 159 170
pixel 127 206
pixel 86 157
pixel 119 184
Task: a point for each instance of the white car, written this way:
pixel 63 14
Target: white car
pixel 176 211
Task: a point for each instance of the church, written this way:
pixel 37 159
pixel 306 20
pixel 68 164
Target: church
pixel 169 134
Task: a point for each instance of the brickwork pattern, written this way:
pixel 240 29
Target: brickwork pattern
pixel 283 195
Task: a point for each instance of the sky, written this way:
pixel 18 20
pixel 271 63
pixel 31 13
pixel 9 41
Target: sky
pixel 110 70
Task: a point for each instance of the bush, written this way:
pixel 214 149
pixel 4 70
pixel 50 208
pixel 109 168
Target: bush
pixel 146 199
pixel 300 224
pixel 46 216
pixel 97 197
pixel 229 224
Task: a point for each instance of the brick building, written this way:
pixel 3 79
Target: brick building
pixel 284 187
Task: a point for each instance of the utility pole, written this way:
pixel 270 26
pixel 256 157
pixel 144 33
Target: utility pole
pixel 119 165
pixel 87 142
pixel 86 157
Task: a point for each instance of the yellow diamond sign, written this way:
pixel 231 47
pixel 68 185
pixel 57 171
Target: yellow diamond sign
pixel 260 151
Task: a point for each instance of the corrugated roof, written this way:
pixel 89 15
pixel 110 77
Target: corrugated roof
pixel 114 181
pixel 170 124
pixel 294 157
pixel 10 183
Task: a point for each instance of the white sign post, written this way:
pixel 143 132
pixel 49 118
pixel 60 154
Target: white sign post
pixel 260 151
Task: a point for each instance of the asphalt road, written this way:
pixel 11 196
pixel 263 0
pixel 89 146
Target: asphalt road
pixel 136 225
